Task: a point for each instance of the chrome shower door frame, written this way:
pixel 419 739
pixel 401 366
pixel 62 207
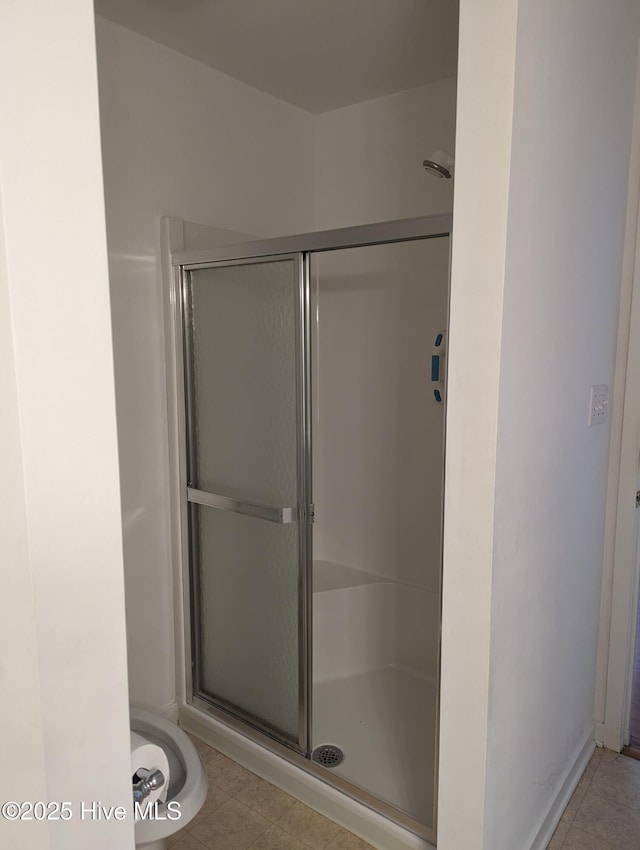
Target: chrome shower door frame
pixel 301 246
pixel 300 513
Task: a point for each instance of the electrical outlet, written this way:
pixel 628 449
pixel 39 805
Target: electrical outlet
pixel 599 404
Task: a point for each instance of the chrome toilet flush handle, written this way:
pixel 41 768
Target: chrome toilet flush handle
pixel 150 781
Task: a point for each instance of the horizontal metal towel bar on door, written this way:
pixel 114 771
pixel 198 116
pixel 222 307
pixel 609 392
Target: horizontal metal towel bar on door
pixel 238 506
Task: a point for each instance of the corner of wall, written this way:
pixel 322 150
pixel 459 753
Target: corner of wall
pixel 483 156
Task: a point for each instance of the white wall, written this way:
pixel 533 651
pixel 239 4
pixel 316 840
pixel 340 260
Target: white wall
pixel 65 733
pixel 535 566
pixel 369 157
pixel 562 284
pixel 483 151
pixel 369 168
pixel 378 432
pixel 178 139
pixel 21 733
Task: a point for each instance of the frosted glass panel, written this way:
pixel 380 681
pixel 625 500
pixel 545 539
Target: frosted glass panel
pixel 244 381
pixel 243 348
pixel 248 576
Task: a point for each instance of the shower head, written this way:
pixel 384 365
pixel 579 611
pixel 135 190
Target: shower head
pixel 439 164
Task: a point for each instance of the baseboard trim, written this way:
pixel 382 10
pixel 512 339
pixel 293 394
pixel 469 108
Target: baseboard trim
pixel 565 789
pixel 364 822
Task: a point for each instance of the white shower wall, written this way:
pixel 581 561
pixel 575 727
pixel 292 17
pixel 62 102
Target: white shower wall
pixel 178 138
pixel 378 451
pixel 372 626
pixel 369 157
pixel 376 606
pixel 378 433
pixel 181 139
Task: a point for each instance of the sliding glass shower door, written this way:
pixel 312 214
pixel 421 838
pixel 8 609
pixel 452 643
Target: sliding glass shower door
pixel 247 490
pixel 326 651
pixel 379 330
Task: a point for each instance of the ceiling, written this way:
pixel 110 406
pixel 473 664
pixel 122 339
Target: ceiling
pixel 316 54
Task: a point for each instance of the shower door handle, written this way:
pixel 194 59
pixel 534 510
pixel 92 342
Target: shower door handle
pixel 241 506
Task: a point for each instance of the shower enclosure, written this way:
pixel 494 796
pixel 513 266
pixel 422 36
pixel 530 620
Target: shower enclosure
pixel 311 373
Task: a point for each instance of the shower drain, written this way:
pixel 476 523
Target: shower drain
pixel 328 755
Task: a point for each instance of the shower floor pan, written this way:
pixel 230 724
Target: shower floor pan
pixel 385 722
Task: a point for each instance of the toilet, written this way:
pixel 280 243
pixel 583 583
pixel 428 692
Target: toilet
pixel 187 779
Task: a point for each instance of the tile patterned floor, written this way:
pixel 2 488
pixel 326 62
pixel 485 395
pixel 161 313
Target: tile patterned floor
pixel 243 811
pixel 604 812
